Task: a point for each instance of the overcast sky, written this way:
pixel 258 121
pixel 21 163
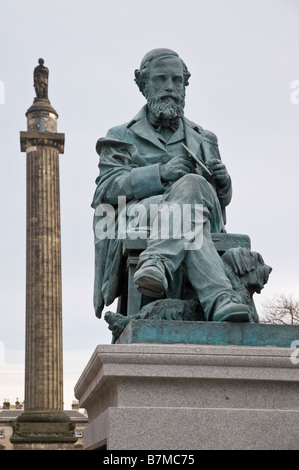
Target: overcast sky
pixel 243 57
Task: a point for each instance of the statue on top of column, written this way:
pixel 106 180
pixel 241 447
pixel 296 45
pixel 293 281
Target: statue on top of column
pixel 40 75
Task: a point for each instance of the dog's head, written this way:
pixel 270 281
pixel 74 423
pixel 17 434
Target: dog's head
pixel 248 266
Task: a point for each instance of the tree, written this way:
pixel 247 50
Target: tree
pixel 282 309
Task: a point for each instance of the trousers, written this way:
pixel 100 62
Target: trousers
pixel 202 263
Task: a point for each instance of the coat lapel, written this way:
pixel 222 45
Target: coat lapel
pixel 140 126
pixel 192 136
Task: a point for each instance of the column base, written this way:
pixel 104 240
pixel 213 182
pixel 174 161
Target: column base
pixel 43 429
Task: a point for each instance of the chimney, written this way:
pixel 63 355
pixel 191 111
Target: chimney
pixel 18 405
pixel 6 404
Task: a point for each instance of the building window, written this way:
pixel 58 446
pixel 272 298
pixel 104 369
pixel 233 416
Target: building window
pixel 1 433
pixel 79 433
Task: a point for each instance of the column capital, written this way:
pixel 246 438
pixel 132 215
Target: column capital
pixel 42 139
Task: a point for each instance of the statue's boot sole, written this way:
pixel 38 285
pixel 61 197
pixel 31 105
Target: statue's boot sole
pixel 232 317
pixel 150 286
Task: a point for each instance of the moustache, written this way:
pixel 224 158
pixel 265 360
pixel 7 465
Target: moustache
pixel 168 96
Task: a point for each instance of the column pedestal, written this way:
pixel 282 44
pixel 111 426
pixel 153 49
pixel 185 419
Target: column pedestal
pixel 43 430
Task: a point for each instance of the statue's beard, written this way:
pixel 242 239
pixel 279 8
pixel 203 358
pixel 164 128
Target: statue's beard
pixel 166 107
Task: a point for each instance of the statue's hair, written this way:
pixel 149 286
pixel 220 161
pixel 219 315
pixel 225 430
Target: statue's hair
pixel 141 74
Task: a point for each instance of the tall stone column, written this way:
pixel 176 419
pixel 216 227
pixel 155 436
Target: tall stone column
pixel 43 423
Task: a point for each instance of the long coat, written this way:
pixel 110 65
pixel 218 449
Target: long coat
pixel 130 158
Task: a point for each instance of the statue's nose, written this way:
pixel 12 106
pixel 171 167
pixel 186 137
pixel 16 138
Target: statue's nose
pixel 169 85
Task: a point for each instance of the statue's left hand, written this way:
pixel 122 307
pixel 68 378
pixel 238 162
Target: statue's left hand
pixel 219 172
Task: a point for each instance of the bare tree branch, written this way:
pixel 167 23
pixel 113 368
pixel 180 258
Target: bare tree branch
pixel 281 309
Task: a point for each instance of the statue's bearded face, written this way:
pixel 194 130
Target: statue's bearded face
pixel 165 89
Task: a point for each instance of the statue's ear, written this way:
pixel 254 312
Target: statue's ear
pixel 240 259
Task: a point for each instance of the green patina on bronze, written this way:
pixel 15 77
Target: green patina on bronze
pixel 209 333
pixel 161 157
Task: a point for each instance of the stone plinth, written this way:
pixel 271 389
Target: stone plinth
pixel 43 430
pixel 190 397
pixel 213 333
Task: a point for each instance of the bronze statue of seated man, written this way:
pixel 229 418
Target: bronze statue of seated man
pixel 162 158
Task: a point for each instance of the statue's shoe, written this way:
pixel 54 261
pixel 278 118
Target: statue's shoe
pixel 150 279
pixel 229 308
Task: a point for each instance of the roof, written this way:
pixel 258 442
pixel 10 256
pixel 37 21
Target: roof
pixel 76 415
pixel 9 415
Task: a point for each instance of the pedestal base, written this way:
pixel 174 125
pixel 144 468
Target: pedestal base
pixel 44 430
pixel 190 397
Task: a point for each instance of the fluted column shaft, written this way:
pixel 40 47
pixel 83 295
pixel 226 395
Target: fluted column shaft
pixel 43 358
pixel 43 369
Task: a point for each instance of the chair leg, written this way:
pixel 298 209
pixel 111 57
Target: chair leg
pixel 134 296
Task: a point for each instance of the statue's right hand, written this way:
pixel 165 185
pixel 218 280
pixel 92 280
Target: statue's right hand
pixel 176 168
